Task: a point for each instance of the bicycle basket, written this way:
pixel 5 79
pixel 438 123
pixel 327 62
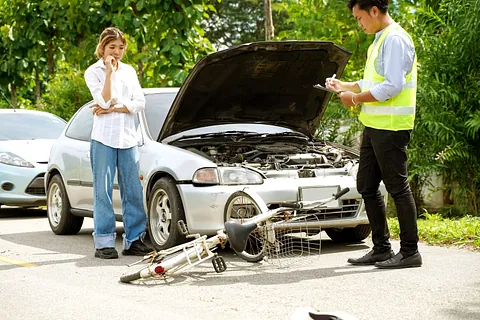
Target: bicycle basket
pixel 290 242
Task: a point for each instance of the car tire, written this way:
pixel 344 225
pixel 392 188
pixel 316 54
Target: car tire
pixel 254 252
pixel 356 234
pixel 61 220
pixel 165 209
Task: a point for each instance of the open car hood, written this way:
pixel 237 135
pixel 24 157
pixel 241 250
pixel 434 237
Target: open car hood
pixel 263 82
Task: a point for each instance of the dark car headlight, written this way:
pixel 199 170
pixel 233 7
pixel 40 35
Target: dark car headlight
pixel 12 159
pixel 226 176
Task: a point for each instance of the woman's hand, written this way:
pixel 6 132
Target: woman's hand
pixel 97 110
pixel 110 63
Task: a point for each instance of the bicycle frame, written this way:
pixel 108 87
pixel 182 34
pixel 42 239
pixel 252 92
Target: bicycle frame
pixel 187 255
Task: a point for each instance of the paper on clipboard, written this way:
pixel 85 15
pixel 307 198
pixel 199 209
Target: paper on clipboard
pixel 320 87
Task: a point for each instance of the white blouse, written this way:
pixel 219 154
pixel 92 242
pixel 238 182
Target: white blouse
pixel 116 129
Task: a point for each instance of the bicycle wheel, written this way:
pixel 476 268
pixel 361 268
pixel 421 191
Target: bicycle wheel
pixel 241 206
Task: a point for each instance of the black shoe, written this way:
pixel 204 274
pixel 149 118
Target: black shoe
pixel 106 253
pixel 137 248
pixel 371 258
pixel 399 261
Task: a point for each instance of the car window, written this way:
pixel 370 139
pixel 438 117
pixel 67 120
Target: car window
pixel 80 127
pixel 156 108
pixel 28 126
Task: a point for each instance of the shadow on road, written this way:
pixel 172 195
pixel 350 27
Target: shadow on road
pixel 81 244
pixel 6 213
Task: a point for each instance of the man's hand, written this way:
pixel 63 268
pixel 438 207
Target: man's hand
pixel 333 84
pixel 99 110
pixel 347 98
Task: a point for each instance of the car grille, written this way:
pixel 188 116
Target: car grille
pixel 36 187
pixel 349 209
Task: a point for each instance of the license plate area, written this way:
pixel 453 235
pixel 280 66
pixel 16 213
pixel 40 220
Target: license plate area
pixel 320 192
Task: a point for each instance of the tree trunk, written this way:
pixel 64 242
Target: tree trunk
pixel 13 89
pixel 38 92
pixel 51 69
pixel 269 29
pixel 140 68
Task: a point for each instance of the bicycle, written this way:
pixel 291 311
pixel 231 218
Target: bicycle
pixel 252 216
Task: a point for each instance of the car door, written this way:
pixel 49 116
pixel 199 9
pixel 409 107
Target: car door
pixel 86 176
pixel 78 135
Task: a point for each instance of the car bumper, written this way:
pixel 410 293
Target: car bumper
pixel 22 186
pixel 204 206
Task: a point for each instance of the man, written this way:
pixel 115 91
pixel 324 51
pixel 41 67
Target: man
pixel 387 94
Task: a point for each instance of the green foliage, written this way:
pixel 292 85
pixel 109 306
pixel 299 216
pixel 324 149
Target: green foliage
pixel 241 21
pixel 446 137
pixel 434 229
pixel 165 37
pixel 65 93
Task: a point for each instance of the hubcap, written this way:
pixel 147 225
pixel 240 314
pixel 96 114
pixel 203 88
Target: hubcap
pixel 54 208
pixel 160 216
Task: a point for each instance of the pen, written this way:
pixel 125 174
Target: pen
pixel 334 75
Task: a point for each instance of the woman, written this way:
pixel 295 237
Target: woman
pixel 118 96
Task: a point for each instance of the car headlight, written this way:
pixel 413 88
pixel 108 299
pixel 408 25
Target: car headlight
pixel 14 160
pixel 207 176
pixel 226 176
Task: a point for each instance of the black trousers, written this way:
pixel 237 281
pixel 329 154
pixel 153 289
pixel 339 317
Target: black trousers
pixel 383 156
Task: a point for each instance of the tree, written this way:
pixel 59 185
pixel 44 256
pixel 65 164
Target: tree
pixel 446 136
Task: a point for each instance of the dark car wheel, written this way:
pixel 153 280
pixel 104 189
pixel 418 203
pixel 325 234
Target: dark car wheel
pixel 165 209
pixel 59 216
pixel 356 234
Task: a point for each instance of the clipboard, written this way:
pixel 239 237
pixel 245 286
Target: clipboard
pixel 320 87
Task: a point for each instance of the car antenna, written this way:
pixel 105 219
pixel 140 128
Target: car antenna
pixel 3 94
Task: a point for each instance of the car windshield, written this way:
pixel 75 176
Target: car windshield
pixel 156 108
pixel 29 126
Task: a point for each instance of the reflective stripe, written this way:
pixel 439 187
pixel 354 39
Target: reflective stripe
pixel 386 110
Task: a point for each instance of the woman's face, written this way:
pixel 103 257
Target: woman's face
pixel 114 48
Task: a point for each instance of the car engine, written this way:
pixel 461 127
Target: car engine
pixel 281 159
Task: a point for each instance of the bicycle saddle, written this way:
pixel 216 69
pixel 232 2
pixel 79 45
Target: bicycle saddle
pixel 238 234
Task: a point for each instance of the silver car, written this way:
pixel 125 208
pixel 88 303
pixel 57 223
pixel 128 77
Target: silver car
pixel 26 137
pixel 246 116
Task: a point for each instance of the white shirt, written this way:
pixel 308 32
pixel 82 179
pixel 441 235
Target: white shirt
pixel 116 130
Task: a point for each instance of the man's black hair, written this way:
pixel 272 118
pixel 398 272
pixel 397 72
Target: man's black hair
pixel 366 5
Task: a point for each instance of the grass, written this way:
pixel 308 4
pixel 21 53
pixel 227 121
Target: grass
pixel 436 230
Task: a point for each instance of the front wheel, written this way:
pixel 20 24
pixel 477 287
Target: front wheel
pixel 165 209
pixel 356 234
pixel 61 220
pixel 241 206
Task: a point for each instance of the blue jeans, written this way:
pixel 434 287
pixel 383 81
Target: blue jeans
pixel 104 160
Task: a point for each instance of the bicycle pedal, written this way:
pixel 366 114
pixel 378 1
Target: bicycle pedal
pixel 219 264
pixel 182 227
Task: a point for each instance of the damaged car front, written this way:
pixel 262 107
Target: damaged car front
pixel 251 114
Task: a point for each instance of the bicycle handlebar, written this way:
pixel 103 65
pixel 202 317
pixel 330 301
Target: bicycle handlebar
pixel 341 193
pixel 312 204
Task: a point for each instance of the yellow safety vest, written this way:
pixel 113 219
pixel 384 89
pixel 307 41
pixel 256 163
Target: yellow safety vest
pixel 394 114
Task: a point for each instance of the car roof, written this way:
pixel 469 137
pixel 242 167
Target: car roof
pixel 24 111
pixel 147 91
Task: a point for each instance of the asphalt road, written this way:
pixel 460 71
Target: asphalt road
pixel 44 276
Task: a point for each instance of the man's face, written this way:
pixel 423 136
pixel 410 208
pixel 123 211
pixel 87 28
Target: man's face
pixel 367 20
